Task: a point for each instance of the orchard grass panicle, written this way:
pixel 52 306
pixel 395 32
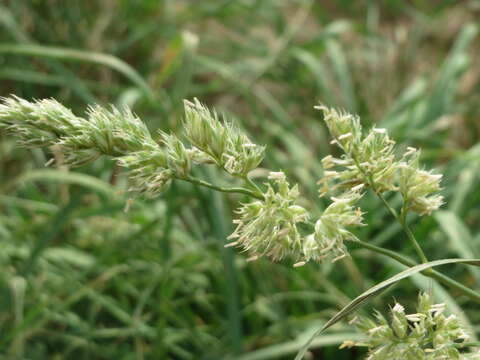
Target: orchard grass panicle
pixel 270 221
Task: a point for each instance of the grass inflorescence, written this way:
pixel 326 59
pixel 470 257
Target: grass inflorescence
pixel 82 278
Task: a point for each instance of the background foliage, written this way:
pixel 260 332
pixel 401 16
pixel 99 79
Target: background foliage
pixel 81 278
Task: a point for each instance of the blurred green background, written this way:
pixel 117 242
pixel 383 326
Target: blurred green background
pixel 83 279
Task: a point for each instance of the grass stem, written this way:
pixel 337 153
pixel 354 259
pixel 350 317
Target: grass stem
pixel 255 194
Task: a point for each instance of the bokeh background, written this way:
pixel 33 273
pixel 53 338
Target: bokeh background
pixel 83 279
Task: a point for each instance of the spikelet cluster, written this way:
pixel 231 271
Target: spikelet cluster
pixel 149 172
pixel 122 135
pixel 427 334
pixel 221 143
pixel 268 227
pixel 417 185
pixel 40 123
pixel 112 132
pixel 331 229
pixel 370 159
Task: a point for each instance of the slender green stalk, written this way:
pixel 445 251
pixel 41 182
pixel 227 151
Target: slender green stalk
pixel 239 190
pixel 432 273
pixel 401 219
pixel 231 287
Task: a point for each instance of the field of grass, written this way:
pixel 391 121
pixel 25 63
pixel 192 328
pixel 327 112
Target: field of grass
pixel 80 278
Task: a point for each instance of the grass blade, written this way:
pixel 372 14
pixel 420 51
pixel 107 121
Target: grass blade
pixel 80 55
pixel 221 230
pixel 69 178
pixel 342 72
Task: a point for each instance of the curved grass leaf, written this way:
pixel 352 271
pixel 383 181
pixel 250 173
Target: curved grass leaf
pixel 290 347
pixel 80 55
pixel 377 289
pixel 31 205
pixel 70 178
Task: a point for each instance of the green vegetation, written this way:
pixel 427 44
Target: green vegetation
pixel 88 272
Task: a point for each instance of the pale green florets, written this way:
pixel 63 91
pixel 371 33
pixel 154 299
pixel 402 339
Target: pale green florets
pixel 371 157
pixel 111 132
pixel 365 158
pixel 428 334
pixel 371 161
pixel 178 158
pixel 327 242
pixel 376 158
pixel 345 128
pixel 122 135
pixel 417 185
pixel 38 123
pixel 222 143
pixel 269 227
pixel 149 172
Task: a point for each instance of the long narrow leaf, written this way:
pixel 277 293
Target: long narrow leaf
pixel 80 55
pixel 290 347
pixel 52 175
